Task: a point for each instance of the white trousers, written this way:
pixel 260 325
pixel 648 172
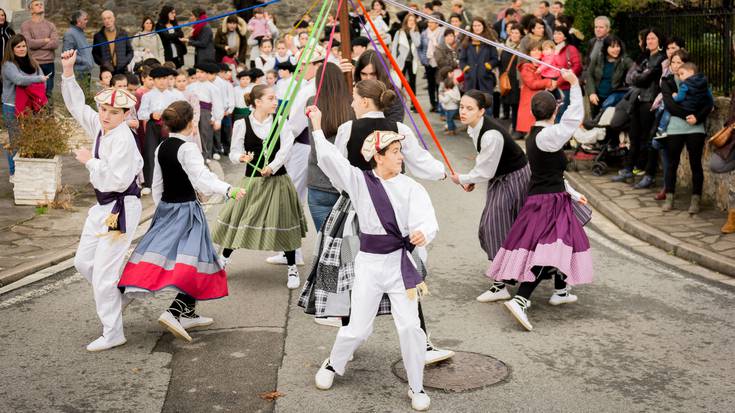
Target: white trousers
pixel 100 258
pixel 297 166
pixel 375 275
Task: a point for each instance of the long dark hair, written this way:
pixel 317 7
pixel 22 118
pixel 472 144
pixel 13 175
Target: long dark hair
pixel 335 99
pixel 145 19
pixel 7 23
pixel 163 15
pixel 487 32
pixel 24 63
pixel 612 40
pixel 370 57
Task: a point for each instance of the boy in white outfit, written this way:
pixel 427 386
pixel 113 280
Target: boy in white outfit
pixel 113 168
pixel 396 215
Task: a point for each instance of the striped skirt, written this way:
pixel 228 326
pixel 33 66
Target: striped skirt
pixel 176 253
pixel 268 218
pixel 506 195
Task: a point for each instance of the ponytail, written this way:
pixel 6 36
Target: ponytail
pixel 376 91
pixel 483 99
pixel 177 116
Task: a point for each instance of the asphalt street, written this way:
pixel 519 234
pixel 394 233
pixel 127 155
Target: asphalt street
pixel 643 337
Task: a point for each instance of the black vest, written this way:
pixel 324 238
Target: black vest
pixel 361 128
pixel 547 168
pixel 512 158
pixel 176 185
pixel 255 145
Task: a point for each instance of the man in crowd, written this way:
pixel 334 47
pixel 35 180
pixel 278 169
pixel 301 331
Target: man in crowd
pixel 501 26
pixel 116 54
pixel 42 41
pixel 594 47
pixel 516 5
pixel 74 39
pixel 430 40
pixel 544 12
pixel 557 9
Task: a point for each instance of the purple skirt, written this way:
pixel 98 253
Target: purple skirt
pixel 546 233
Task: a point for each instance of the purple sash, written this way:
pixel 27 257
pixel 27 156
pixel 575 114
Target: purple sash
pixel 104 198
pixel 205 105
pixel 393 240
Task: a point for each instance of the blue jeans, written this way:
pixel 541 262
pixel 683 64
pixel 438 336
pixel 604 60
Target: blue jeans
pixel 564 106
pixel 49 68
pixel 663 122
pixel 612 100
pixel 450 114
pixel 320 205
pixel 11 123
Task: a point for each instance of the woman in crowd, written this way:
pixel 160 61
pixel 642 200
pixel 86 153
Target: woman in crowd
pixel 405 49
pixel 685 128
pixel 377 10
pixel 231 41
pixel 509 65
pixel 567 57
pixel 531 83
pixel 19 69
pixel 201 38
pixel 535 33
pixel 369 66
pixel 6 32
pixel 645 78
pixel 478 59
pixel 146 46
pixel 174 48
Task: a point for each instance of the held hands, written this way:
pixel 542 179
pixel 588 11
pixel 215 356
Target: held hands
pixel 83 155
pixel 247 157
pixel 594 99
pixel 455 178
pixel 313 113
pixel 68 58
pixel 582 200
pixel 570 77
pixel 418 239
pixel 266 172
pixel 236 193
pixel 691 119
pixel 346 66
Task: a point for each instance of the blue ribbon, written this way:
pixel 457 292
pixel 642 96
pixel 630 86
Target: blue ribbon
pixel 208 19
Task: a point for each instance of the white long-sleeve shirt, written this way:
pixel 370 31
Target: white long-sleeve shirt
pixel 418 160
pixel 207 92
pixel 240 95
pixel 486 163
pixel 190 157
pixel 281 88
pixel 227 94
pixel 553 137
pixel 410 201
pixel 156 101
pixel 261 129
pixel 119 160
pixel 297 118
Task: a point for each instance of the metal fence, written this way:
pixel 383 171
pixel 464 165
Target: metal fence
pixel 708 29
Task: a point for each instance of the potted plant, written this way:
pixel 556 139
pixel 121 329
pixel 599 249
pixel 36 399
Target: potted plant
pixel 41 139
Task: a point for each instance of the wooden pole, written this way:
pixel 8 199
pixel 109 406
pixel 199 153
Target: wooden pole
pixel 344 33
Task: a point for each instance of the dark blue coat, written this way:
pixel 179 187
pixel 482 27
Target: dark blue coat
pixel 472 60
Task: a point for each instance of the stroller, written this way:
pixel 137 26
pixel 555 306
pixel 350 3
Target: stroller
pixel 594 137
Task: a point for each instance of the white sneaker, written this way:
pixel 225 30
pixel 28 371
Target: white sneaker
pixel 146 191
pixel 224 261
pixel 216 157
pixel 197 321
pixel 329 321
pixel 168 321
pixel 562 296
pixel 324 377
pixel 293 278
pixel 517 307
pixel 419 401
pixel 11 179
pixel 435 355
pixel 494 294
pixel 103 343
pixel 280 259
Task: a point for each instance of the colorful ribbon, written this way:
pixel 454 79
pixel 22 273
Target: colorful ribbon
pixel 329 50
pixel 209 19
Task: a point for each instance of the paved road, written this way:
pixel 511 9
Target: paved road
pixel 643 337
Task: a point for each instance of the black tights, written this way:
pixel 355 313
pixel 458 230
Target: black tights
pixel 183 306
pixel 346 319
pixel 526 288
pixel 290 255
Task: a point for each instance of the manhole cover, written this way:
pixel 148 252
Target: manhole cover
pixel 463 372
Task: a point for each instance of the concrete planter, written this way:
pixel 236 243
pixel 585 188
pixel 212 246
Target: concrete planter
pixel 36 180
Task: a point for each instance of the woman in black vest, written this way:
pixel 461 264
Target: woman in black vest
pixel 503 165
pixel 271 217
pixel 547 239
pixel 177 251
pixel 369 99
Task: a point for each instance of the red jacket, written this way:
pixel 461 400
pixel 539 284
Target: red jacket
pixel 31 97
pixel 531 83
pixel 568 58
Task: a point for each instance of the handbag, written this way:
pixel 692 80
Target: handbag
pixel 504 81
pixel 582 212
pixel 722 137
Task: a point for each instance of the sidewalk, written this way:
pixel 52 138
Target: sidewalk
pixel 30 241
pixel 695 238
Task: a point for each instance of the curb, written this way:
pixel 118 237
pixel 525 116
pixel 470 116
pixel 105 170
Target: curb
pixel 27 269
pixel 649 234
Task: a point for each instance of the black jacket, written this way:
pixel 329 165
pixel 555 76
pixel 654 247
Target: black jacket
pixel 668 88
pixel 646 77
pixel 123 51
pixel 204 45
pixel 171 41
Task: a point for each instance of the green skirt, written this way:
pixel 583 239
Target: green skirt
pixel 268 218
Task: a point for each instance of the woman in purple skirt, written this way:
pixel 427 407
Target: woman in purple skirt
pixel 547 239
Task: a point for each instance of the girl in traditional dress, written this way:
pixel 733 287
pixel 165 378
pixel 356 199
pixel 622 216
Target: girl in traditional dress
pixel 177 251
pixel 503 165
pixel 547 239
pixel 271 219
